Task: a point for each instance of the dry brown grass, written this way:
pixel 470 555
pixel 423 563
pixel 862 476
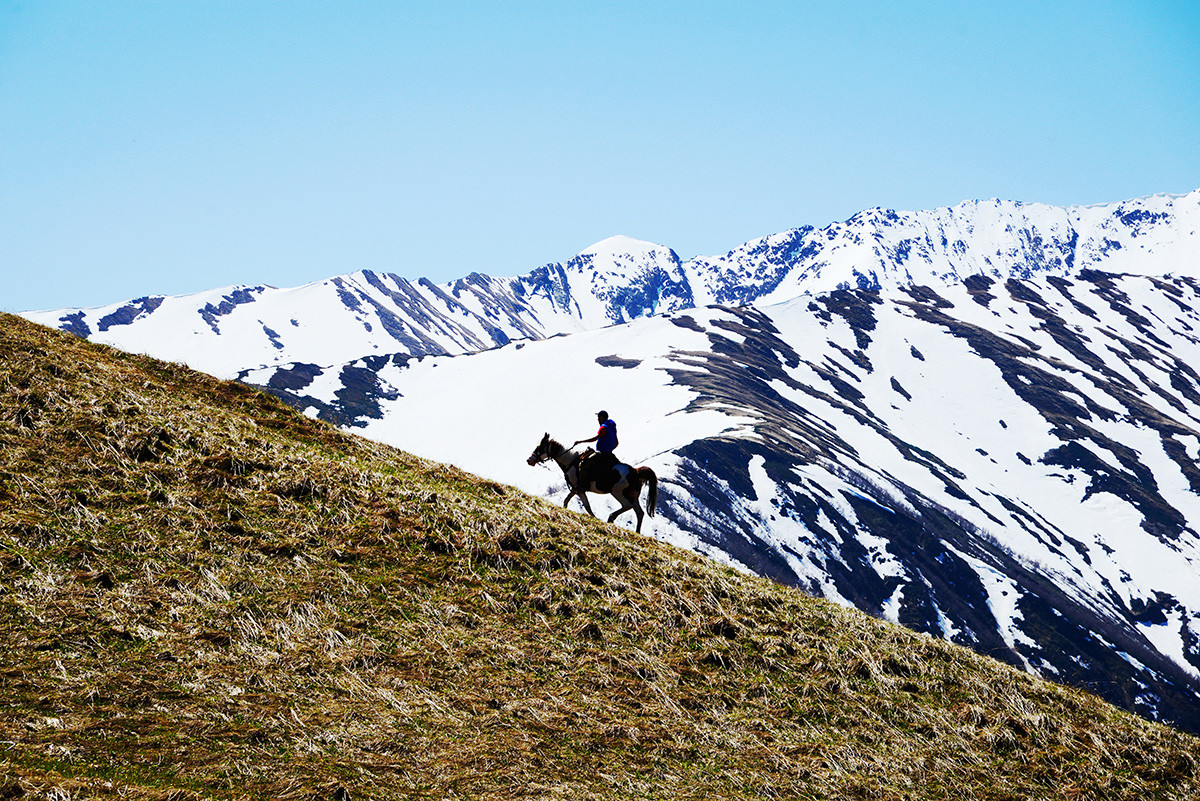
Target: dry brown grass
pixel 205 595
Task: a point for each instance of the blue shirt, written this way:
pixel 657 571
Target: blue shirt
pixel 607 441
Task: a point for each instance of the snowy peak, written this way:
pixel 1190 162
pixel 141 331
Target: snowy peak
pixel 882 247
pixel 616 280
pixel 619 279
pixel 616 248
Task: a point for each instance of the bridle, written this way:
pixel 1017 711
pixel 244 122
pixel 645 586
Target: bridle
pixel 541 453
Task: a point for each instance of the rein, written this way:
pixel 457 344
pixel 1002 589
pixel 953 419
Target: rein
pixel 575 462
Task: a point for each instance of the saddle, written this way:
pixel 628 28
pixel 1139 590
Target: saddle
pixel 599 469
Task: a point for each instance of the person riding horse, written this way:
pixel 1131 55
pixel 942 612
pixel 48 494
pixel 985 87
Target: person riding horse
pixel 623 482
pixel 598 466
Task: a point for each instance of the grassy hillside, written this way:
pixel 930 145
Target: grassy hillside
pixel 206 595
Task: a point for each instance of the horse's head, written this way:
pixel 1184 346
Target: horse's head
pixel 544 451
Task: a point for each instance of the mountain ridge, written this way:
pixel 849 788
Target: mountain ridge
pixel 355 315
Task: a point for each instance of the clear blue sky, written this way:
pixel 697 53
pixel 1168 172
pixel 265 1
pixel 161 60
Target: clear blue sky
pixel 162 147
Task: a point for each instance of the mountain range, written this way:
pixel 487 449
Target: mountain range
pixel 227 330
pixel 980 422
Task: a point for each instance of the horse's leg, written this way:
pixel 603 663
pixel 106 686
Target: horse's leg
pixel 586 505
pixel 636 510
pixel 567 500
pixel 633 492
pixel 628 499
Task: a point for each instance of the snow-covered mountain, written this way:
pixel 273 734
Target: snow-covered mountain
pixel 883 248
pixel 225 331
pixel 1008 464
pixel 950 418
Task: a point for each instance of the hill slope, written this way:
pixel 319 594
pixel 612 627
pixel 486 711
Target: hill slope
pixel 206 595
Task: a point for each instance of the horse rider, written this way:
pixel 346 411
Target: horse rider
pixel 606 442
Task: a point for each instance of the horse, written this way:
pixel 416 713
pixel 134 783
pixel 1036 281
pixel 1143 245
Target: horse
pixel 626 481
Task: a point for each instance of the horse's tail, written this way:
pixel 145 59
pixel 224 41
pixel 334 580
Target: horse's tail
pixel 647 476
